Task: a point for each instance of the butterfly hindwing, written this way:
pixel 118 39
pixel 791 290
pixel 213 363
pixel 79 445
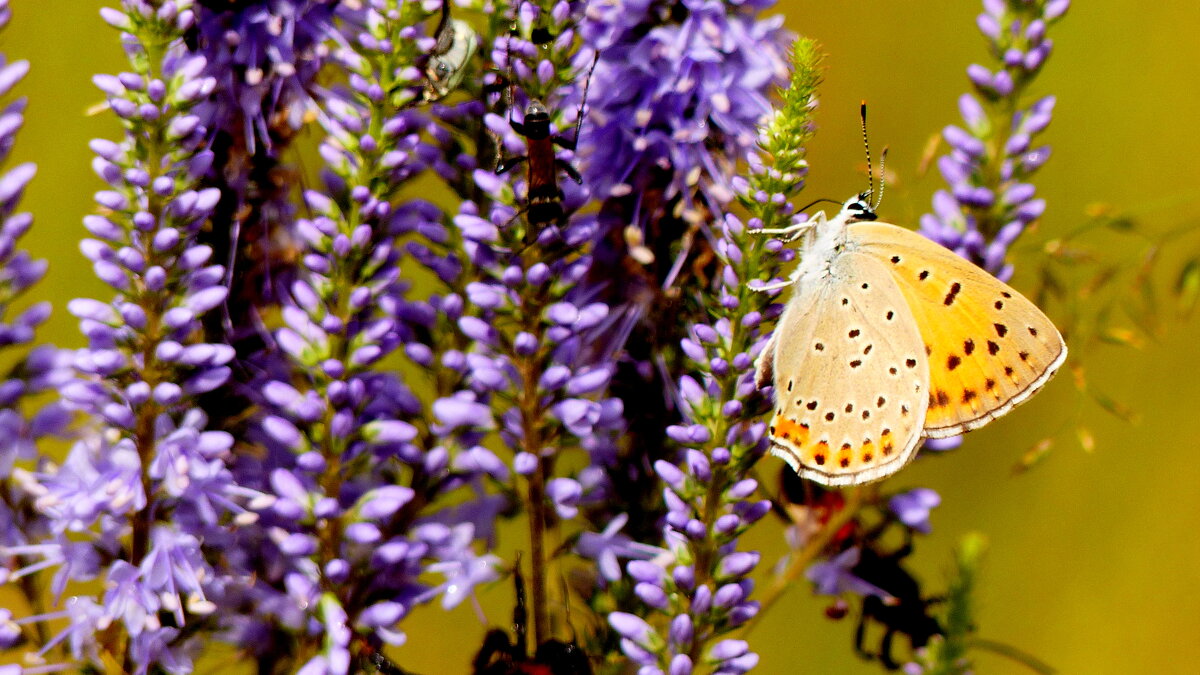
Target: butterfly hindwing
pixel 988 347
pixel 851 377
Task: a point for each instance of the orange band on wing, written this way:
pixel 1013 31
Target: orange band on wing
pixel 790 431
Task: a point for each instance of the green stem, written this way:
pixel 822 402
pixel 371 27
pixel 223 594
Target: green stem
pixel 530 405
pixel 1008 651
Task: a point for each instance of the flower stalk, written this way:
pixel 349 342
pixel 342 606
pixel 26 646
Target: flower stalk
pixel 990 201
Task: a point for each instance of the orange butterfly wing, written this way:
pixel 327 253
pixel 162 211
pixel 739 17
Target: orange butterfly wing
pixel 989 348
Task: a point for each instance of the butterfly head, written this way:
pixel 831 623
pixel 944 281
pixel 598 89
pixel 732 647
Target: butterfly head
pixel 859 207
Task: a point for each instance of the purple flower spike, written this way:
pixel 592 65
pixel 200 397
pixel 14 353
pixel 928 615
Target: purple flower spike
pixel 971 205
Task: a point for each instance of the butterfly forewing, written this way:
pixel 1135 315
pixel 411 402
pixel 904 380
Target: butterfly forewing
pixel 988 347
pixel 851 377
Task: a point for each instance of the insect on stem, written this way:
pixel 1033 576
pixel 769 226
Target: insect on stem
pixel 544 202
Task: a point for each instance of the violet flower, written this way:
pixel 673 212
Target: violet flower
pixel 675 102
pixel 990 201
pixel 835 576
pixel 913 507
pixel 357 462
pixel 146 480
pixel 264 58
pixel 523 307
pixel 702 590
pixel 34 369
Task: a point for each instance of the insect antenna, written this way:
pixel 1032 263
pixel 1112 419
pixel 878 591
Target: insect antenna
pixel 882 178
pixel 439 33
pixel 862 115
pixel 587 85
pixel 818 201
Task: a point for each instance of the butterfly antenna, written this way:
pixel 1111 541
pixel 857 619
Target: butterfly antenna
pixel 818 201
pixel 862 115
pixel 882 178
pixel 508 95
pixel 440 31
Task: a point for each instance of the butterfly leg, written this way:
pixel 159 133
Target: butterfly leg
pixel 776 285
pixel 786 234
pixel 791 232
pixel 773 286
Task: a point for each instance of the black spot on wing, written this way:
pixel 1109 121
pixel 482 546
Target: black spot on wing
pixel 954 289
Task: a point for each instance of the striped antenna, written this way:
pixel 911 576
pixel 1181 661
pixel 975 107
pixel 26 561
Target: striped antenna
pixel 862 114
pixel 882 178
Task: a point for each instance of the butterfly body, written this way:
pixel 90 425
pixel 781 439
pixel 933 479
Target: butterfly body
pixel 888 339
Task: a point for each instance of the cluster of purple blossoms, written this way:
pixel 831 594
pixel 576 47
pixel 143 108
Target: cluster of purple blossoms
pixel 700 589
pixel 678 95
pixel 357 464
pixel 146 483
pixel 990 201
pixel 528 307
pixel 264 57
pixel 32 371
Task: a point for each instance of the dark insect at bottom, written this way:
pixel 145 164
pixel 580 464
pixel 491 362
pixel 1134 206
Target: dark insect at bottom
pixel 501 656
pixel 906 613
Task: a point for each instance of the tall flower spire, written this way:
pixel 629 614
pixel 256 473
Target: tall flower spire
pixel 35 369
pixel 146 480
pixel 990 201
pixel 356 462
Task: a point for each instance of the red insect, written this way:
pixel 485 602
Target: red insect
pixel 544 207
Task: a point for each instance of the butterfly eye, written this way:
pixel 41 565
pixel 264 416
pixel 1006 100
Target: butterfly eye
pixel 860 209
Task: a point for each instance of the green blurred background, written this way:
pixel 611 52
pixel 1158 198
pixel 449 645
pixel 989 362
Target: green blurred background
pixel 1094 563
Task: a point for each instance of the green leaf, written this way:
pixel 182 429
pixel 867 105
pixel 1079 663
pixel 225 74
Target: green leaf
pixel 1033 456
pixel 1187 287
pixel 1115 407
pixel 1123 337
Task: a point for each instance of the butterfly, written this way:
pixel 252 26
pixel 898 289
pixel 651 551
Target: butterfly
pixel 889 339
